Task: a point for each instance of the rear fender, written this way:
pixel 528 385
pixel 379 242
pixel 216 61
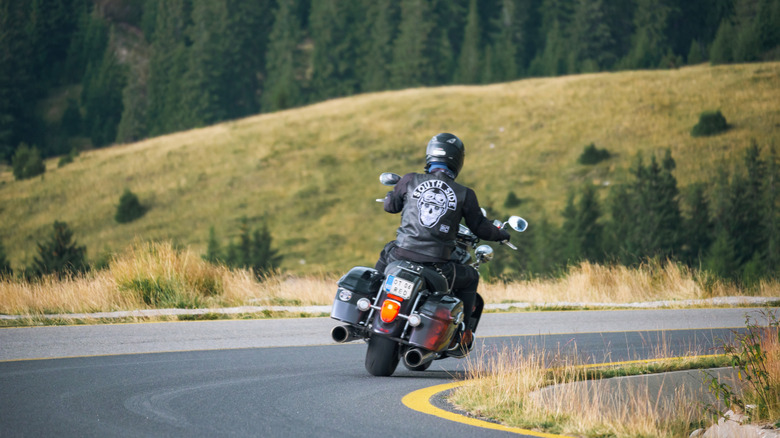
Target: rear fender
pixel 403 274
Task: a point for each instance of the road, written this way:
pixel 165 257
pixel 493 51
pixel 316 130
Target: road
pixel 284 377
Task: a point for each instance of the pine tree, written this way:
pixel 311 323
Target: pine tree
pixel 470 62
pixel 617 205
pixel 253 250
pixel 695 53
pixel 60 255
pixel 102 99
pixel 721 259
pixel 134 122
pixel 646 218
pixel 282 88
pixel 204 82
pixel 650 44
pixel 747 46
pixel 582 233
pixel 167 67
pixel 553 59
pixel 509 42
pixel 213 249
pixel 334 56
pixel 376 65
pixel 698 227
pixel 722 50
pixel 593 46
pixel 570 243
pixel 753 214
pixel 413 63
pixel 249 26
pixel 18 85
pixel 263 259
pixel 544 254
pixel 589 232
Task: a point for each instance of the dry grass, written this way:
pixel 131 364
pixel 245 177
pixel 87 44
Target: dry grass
pixel 592 283
pixel 549 391
pixel 158 275
pixel 311 173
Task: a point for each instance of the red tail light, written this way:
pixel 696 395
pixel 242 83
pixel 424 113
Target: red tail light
pixel 389 311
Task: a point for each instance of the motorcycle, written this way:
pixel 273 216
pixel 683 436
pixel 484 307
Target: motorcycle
pixel 408 312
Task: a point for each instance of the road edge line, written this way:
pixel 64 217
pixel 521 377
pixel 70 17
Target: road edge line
pixel 420 401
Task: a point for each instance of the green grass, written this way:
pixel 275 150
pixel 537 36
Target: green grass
pixel 311 172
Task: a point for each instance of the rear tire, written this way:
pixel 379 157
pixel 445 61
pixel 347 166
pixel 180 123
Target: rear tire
pixel 382 356
pixel 422 367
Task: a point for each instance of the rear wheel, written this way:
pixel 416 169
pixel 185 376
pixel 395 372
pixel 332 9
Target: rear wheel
pixel 382 356
pixel 422 367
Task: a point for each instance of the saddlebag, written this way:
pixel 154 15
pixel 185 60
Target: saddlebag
pixel 440 318
pixel 359 282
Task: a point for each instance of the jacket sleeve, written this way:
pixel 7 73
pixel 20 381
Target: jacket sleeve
pixel 394 201
pixel 478 223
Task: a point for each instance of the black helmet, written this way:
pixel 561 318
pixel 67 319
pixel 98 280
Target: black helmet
pixel 447 149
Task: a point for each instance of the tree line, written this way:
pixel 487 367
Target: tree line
pixel 61 256
pixel 729 226
pixel 148 67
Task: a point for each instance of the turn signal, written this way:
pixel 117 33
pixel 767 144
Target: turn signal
pixel 389 311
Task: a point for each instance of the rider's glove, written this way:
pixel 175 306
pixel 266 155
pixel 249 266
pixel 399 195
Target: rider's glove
pixel 503 235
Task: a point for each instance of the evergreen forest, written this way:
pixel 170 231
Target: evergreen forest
pixel 125 70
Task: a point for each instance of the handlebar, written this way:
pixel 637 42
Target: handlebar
pixel 509 244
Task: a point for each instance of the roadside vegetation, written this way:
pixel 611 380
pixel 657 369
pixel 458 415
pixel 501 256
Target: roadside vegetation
pixel 161 275
pixel 545 390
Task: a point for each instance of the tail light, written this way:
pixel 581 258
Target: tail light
pixel 389 311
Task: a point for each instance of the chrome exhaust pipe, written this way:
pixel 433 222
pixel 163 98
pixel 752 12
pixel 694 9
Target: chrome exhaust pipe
pixel 416 357
pixel 343 333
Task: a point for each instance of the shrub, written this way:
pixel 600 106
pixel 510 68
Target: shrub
pixel 593 155
pixel 60 255
pixel 67 159
pixel 129 208
pixel 710 123
pixel 27 162
pixel 756 356
pixel 512 200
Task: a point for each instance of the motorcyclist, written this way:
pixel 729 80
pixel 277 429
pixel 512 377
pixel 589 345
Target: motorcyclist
pixel 432 205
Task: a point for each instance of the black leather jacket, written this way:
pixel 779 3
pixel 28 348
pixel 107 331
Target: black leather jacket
pixel 432 205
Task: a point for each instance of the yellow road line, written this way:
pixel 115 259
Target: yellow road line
pixel 420 401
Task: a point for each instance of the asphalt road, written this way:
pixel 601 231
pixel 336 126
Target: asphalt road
pixel 283 378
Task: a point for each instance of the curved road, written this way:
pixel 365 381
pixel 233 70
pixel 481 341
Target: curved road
pixel 284 377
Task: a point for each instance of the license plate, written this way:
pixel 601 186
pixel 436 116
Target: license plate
pixel 399 287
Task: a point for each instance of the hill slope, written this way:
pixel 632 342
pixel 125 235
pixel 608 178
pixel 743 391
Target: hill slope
pixel 311 172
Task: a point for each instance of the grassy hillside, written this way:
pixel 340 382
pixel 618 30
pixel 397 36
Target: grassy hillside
pixel 311 173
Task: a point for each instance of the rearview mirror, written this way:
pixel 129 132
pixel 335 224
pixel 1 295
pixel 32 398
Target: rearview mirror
pixel 484 253
pixel 517 223
pixel 389 179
